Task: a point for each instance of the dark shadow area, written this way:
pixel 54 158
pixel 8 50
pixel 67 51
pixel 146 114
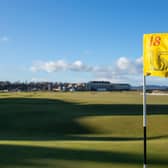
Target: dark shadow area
pixel 17 155
pixel 30 117
pixel 80 138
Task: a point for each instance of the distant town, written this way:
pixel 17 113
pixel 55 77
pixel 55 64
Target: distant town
pixel 6 86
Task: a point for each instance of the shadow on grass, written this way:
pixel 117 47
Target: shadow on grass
pixel 31 117
pixel 80 138
pixel 17 155
pixel 47 119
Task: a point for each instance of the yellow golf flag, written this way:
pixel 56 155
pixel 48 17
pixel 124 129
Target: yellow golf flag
pixel 155 53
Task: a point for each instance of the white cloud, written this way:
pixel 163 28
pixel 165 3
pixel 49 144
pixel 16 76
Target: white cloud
pixel 60 65
pixel 79 66
pixel 127 66
pixel 123 63
pixel 49 66
pixel 139 60
pixel 123 70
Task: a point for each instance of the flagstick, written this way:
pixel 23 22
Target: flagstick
pixel 144 120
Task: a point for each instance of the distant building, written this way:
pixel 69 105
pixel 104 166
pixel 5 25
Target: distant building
pixel 121 86
pixel 107 86
pixel 99 86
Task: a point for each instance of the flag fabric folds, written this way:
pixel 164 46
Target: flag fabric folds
pixel 155 54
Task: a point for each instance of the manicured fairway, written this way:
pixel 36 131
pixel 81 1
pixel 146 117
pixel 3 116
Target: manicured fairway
pixel 81 130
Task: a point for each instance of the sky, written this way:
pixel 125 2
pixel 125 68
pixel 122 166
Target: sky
pixel 77 40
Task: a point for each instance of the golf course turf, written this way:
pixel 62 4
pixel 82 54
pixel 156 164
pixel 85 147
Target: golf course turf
pixel 81 130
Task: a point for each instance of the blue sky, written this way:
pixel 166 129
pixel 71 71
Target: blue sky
pixel 77 40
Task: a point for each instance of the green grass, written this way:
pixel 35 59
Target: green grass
pixel 81 129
